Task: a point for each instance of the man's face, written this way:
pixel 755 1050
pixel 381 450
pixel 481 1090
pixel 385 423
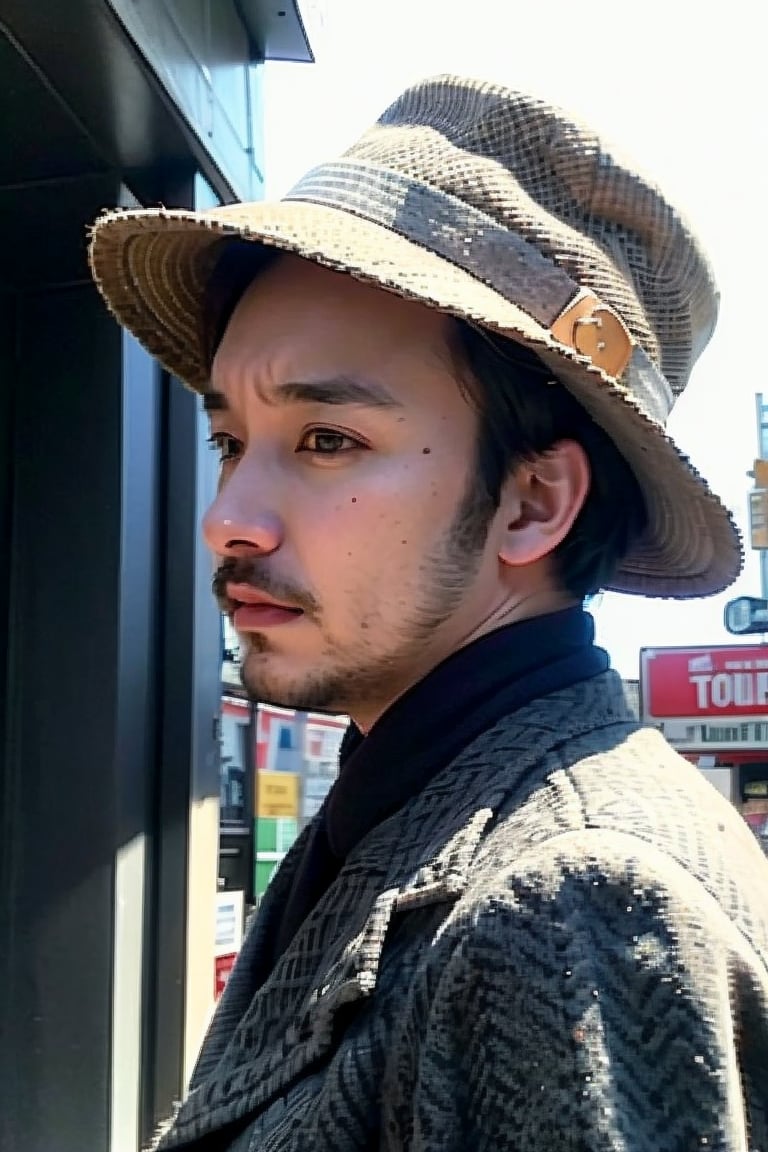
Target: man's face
pixel 347 493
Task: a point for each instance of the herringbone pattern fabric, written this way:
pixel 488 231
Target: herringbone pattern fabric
pixel 562 943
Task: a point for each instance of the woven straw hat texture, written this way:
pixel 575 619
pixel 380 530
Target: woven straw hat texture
pixel 501 209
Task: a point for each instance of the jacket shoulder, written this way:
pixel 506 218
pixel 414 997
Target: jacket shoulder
pixel 631 813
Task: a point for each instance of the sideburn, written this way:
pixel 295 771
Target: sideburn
pixel 454 566
pixel 473 517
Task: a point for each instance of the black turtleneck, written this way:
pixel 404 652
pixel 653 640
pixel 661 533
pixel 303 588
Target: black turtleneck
pixel 428 727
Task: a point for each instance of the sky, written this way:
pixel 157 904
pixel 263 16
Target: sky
pixel 679 86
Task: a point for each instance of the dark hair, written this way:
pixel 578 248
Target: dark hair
pixel 238 264
pixel 522 413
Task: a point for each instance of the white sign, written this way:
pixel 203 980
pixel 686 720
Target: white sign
pixel 694 733
pixel 310 807
pixel 317 787
pixel 229 923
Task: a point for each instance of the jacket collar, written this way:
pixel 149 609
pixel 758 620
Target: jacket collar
pixel 261 1043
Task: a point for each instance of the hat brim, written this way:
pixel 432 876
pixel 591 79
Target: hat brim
pixel 152 266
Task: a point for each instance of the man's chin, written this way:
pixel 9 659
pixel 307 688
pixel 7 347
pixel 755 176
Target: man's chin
pixel 300 689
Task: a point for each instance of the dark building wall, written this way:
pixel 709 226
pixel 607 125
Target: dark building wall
pixel 203 56
pixel 7 371
pixel 113 692
pixel 59 816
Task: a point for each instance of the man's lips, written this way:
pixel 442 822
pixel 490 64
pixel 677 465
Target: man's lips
pixel 253 610
pixel 245 594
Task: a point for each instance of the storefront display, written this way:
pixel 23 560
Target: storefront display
pixel 297 757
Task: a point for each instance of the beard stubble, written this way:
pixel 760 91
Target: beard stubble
pixel 342 683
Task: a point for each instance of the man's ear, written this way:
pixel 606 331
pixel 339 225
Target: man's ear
pixel 540 501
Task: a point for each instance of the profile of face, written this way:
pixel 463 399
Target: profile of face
pixel 355 546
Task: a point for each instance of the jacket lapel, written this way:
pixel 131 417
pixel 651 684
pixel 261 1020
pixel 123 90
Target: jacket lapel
pixel 288 1025
pixel 261 1043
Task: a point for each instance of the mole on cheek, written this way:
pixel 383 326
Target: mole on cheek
pixel 354 499
pixel 426 451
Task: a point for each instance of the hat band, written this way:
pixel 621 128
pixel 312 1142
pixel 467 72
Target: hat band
pixel 498 257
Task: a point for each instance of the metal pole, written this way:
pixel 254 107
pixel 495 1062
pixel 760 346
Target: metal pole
pixel 762 451
pixel 301 763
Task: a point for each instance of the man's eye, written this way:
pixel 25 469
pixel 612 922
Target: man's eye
pixel 327 442
pixel 228 447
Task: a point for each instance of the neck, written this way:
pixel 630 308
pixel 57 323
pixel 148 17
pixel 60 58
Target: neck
pixel 365 714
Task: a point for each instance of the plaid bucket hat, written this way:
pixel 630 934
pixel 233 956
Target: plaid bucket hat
pixel 498 208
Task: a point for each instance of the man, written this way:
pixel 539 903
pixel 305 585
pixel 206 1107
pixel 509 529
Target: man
pixel 437 375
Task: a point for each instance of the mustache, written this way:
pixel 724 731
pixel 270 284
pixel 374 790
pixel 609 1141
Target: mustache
pixel 236 570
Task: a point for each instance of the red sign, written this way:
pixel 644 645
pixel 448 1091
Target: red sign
pixel 692 682
pixel 224 966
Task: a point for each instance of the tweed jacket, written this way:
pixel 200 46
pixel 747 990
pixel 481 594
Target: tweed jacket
pixel 560 944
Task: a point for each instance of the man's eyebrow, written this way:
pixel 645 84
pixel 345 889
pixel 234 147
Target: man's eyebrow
pixel 340 390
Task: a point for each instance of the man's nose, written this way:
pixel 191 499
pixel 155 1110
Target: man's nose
pixel 240 522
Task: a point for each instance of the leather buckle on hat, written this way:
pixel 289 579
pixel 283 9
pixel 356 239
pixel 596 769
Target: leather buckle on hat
pixel 594 330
